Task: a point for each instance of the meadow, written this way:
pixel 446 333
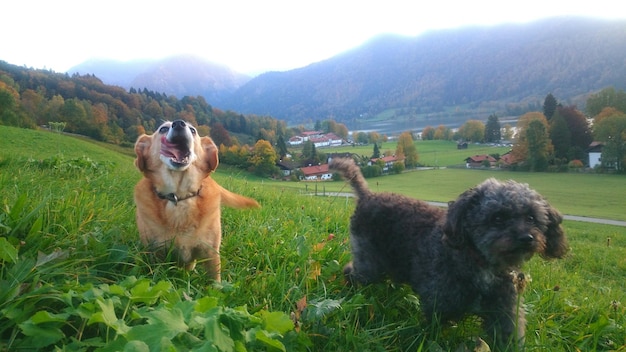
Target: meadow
pixel 74 276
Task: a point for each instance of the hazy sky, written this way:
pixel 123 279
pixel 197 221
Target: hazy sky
pixel 250 36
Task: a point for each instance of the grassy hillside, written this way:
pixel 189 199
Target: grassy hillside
pixel 74 277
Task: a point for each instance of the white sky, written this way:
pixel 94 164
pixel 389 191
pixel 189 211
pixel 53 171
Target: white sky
pixel 250 36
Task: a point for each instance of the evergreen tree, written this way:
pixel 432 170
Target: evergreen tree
pixel 549 106
pixel 492 129
pixel 560 136
pixel 376 154
pixel 281 146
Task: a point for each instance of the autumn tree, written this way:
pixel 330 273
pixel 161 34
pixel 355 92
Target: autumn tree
pixel 443 133
pixel 532 143
pixel 406 148
pixel 473 131
pixel 549 106
pixel 428 133
pixel 492 129
pixel 263 158
pixel 579 130
pixel 538 146
pixel 220 135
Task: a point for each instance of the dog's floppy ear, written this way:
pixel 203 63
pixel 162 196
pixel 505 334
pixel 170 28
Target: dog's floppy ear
pixel 556 242
pixel 454 230
pixel 142 149
pixel 211 159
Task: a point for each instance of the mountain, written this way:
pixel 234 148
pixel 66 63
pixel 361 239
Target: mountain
pixel 180 76
pixel 468 68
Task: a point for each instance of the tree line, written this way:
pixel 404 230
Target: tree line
pixel 31 98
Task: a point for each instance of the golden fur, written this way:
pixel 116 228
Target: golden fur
pixel 178 203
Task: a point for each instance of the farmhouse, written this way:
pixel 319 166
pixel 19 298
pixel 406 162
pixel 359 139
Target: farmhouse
pixel 477 161
pixel 507 159
pixel 316 173
pixel 388 161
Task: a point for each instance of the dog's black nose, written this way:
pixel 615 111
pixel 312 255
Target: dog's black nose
pixel 178 124
pixel 527 239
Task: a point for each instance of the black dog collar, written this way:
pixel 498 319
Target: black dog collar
pixel 172 197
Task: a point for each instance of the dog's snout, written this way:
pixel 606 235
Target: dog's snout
pixel 178 125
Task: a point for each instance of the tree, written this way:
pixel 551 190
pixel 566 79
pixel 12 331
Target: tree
pixel 281 146
pixel 376 153
pixel 220 135
pixel 611 130
pixel 560 136
pixel 263 158
pixel 538 146
pixel 579 129
pixel 549 106
pixel 473 131
pixel 406 147
pixel 443 133
pixel 607 97
pixel 428 133
pixel 492 129
pixel 529 144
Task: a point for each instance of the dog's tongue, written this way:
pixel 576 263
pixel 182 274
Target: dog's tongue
pixel 177 151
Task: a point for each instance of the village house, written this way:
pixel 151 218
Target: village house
pixel 478 161
pixel 387 160
pixel 316 173
pixel 595 154
pixel 507 160
pixel 318 138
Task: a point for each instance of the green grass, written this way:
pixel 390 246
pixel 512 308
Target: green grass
pixel 73 275
pixel 431 153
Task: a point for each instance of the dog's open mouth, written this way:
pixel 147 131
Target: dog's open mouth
pixel 177 152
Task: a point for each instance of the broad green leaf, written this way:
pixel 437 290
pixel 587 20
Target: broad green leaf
pixel 205 303
pixel 136 346
pixel 145 293
pixel 161 324
pixel 8 253
pixel 267 340
pixel 216 333
pixel 276 322
pixel 43 316
pixel 42 335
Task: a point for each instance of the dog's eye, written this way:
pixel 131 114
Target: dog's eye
pixel 530 219
pixel 164 129
pixel 193 130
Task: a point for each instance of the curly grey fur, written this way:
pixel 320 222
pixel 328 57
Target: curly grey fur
pixel 459 261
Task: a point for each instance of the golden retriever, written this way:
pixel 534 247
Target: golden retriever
pixel 178 203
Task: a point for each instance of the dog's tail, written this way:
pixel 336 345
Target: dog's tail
pixel 235 200
pixel 351 172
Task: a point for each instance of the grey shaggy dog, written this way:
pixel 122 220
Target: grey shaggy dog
pixel 461 261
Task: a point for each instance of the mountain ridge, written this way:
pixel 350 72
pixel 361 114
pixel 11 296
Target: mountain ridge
pixel 491 66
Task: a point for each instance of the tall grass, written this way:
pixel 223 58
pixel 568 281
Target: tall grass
pixel 73 275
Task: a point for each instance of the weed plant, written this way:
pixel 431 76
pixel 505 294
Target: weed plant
pixel 74 277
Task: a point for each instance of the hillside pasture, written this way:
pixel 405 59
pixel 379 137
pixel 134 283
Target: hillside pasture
pixel 74 277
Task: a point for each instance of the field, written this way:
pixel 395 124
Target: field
pixel 431 153
pixel 73 276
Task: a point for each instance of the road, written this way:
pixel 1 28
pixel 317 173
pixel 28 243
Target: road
pixel 566 217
